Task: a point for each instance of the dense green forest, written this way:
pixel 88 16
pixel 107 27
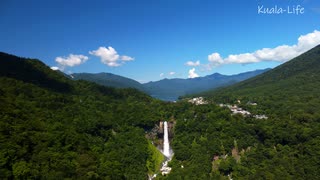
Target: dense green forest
pixel 291 89
pixel 108 79
pixel 209 143
pixel 284 146
pixel 52 127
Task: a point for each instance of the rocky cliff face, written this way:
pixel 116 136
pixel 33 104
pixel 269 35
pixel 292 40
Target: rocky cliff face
pixel 171 125
pixel 156 134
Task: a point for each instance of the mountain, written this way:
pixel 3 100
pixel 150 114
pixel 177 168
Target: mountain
pixel 32 71
pixel 168 89
pixel 284 145
pixel 108 79
pixel 52 127
pixel 289 88
pixel 171 89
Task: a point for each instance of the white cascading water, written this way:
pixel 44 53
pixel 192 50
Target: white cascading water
pixel 165 169
pixel 166 145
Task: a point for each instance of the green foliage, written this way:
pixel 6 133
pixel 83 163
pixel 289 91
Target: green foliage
pixel 108 79
pixel 54 128
pixel 289 90
pixel 285 146
pixel 204 132
pixel 155 158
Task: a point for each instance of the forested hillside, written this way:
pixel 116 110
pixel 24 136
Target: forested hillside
pixel 108 79
pixel 291 89
pixel 55 128
pixel 52 127
pixel 210 143
pixel 284 146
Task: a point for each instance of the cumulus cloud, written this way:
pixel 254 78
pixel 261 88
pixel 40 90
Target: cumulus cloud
pixel 71 60
pixel 215 58
pixel 192 73
pixel 191 63
pixel 54 68
pixel 161 74
pixel 281 53
pixel 110 57
pixel 172 73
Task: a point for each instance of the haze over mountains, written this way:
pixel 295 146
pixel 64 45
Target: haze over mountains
pixel 169 89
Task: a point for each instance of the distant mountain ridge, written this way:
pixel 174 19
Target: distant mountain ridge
pixel 292 87
pixel 50 124
pixel 180 87
pixel 169 89
pixel 108 79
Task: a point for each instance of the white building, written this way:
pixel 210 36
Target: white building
pixel 198 101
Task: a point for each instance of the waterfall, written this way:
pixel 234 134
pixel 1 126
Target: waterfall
pixel 166 151
pixel 165 169
pixel 166 145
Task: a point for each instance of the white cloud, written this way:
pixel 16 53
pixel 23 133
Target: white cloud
pixel 191 63
pixel 71 60
pixel 281 53
pixel 308 41
pixel 192 73
pixel 54 68
pixel 161 74
pixel 126 58
pixel 110 57
pixel 215 58
pixel 172 73
pixel 241 58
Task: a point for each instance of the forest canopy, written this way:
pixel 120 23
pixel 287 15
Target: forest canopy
pixel 52 127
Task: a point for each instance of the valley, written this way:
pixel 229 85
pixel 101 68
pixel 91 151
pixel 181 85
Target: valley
pixel 160 90
pixel 56 127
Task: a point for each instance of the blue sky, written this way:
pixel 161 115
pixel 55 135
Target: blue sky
pixel 144 39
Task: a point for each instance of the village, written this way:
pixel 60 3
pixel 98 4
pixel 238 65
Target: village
pixel 233 108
